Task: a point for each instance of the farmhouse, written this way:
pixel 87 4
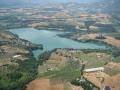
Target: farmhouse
pixel 107 88
pixel 99 69
pixel 16 56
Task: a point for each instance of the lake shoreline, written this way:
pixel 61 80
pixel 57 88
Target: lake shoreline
pixel 63 36
pixel 52 39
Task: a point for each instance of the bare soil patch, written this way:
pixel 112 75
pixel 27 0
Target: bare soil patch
pixel 109 40
pixel 44 84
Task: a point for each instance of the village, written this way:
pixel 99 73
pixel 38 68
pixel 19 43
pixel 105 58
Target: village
pixel 95 70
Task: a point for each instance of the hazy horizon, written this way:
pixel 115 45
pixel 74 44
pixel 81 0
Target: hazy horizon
pixel 79 1
pixel 52 1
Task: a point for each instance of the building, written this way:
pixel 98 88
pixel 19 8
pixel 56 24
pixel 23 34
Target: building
pixel 107 88
pixel 101 69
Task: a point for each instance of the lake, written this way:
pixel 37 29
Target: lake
pixel 50 40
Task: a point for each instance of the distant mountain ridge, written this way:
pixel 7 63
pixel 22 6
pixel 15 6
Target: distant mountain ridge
pixel 110 6
pixel 7 3
pixel 12 3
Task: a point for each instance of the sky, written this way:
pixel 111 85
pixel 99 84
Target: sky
pixel 80 1
pixel 74 0
pixel 63 1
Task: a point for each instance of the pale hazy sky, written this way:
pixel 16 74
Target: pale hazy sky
pixel 80 1
pixel 72 0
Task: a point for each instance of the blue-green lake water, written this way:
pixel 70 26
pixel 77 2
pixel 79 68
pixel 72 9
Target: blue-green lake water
pixel 50 40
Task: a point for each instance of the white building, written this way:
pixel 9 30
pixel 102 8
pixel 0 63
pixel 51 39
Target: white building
pixel 99 69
